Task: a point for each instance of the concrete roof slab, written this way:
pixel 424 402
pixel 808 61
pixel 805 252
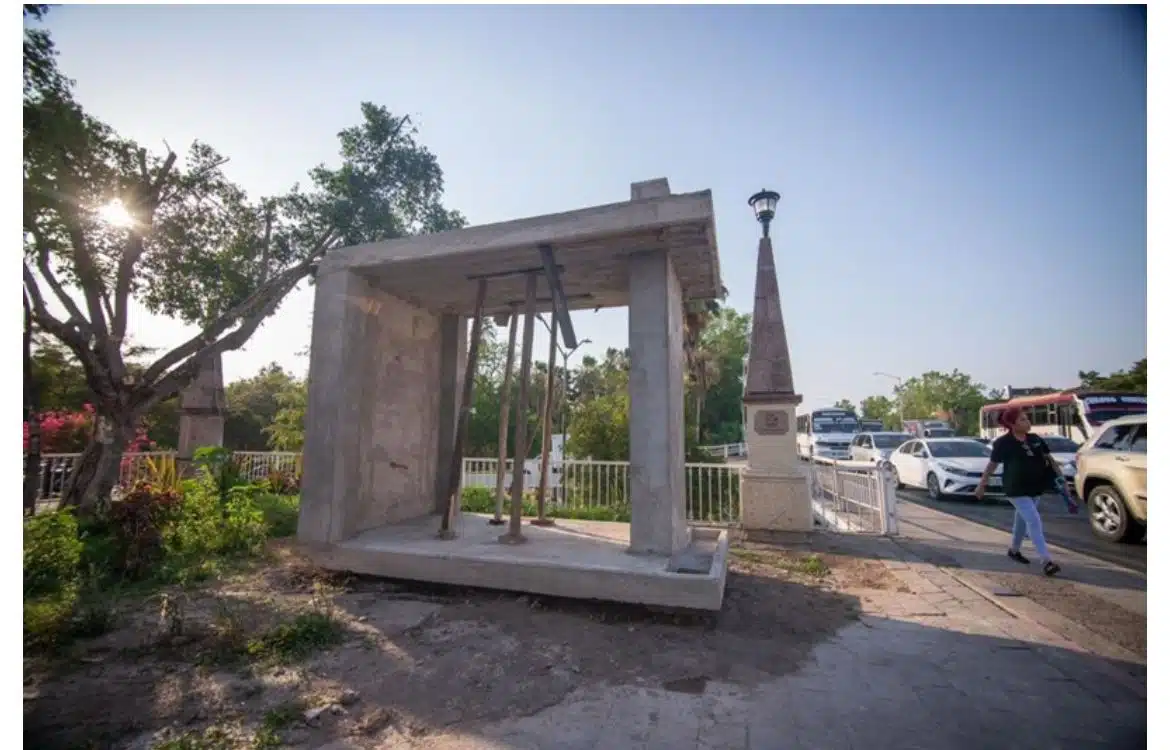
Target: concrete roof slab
pixel 437 271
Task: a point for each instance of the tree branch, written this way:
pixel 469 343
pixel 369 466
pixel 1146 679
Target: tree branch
pixel 68 335
pixel 258 299
pixel 75 314
pixel 184 374
pixel 143 210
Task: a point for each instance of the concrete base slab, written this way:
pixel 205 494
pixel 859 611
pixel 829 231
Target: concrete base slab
pixel 574 559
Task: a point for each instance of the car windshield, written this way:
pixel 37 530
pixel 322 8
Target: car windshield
pixel 959 449
pixel 1060 445
pixel 836 424
pixel 889 441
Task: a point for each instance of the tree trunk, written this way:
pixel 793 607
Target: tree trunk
pixel 32 408
pixel 96 472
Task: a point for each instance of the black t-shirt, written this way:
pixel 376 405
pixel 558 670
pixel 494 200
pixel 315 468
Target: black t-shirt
pixel 1026 472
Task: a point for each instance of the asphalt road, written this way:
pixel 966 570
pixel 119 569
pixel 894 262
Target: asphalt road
pixel 1060 528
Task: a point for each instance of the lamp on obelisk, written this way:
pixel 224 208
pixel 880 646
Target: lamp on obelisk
pixel 775 494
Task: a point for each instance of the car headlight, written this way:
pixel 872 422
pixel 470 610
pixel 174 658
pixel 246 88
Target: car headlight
pixel 952 469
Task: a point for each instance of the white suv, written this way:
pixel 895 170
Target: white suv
pixel 875 447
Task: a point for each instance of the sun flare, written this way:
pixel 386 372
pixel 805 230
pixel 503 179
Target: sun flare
pixel 115 214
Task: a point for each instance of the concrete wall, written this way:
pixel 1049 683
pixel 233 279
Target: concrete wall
pixel 376 387
pixel 657 453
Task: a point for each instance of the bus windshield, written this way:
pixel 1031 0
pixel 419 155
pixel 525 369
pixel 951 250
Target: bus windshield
pixel 843 423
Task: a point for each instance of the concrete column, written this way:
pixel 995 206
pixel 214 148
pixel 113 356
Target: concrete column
pixel 331 480
pixel 657 453
pixel 452 362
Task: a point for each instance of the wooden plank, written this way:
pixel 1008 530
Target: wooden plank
pixel 560 303
pixel 514 534
pixel 453 477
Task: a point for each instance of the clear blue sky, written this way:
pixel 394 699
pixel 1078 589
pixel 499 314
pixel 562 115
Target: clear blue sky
pixel 964 187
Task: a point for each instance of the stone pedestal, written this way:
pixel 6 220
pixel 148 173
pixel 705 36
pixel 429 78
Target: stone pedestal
pixel 774 494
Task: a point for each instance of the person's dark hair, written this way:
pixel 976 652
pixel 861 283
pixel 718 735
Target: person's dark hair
pixel 1009 417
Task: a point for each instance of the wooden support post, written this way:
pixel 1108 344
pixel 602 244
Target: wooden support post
pixel 546 424
pixel 520 432
pixel 505 404
pixel 454 483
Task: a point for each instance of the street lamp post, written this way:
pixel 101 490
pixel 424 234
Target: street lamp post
pixel 897 390
pixel 764 204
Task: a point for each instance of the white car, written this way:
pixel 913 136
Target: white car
pixel 875 447
pixel 1065 453
pixel 944 466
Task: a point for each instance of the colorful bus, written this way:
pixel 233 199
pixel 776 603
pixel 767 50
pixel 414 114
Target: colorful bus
pixel 826 433
pixel 1075 414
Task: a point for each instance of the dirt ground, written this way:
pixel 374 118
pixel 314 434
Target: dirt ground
pixel 415 660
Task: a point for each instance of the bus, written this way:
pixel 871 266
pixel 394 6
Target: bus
pixel 826 433
pixel 1075 413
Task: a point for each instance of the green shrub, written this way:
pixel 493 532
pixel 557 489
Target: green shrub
pixel 52 552
pixel 483 500
pixel 137 524
pixel 244 529
pixel 281 513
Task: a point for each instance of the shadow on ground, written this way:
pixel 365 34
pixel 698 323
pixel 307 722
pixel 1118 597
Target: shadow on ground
pixel 788 654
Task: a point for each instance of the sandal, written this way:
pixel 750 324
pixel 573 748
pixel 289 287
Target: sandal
pixel 1018 557
pixel 1051 568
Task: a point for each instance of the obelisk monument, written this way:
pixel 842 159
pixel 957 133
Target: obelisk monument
pixel 775 494
pixel 202 410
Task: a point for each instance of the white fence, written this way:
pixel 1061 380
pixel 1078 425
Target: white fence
pixel 846 496
pixel 712 490
pixel 853 496
pixel 727 450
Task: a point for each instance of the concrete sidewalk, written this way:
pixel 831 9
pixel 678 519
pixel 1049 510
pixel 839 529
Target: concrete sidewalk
pixel 1090 601
pixel 931 663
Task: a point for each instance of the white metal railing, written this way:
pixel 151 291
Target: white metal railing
pixel 712 490
pixel 257 465
pixel 853 496
pixel 56 467
pixel 727 450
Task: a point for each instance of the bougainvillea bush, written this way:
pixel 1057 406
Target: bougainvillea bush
pixel 68 432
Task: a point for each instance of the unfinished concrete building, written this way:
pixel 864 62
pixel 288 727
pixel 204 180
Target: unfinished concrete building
pixel 387 372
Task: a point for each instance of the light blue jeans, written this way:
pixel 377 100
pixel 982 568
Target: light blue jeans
pixel 1028 522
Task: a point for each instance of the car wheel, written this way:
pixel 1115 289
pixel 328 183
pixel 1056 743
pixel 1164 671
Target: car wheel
pixel 932 487
pixel 897 479
pixel 1109 517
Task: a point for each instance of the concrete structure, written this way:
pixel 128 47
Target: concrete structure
pixel 775 494
pixel 389 341
pixel 202 410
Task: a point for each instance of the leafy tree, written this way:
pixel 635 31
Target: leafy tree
pixel 883 408
pixel 287 430
pixel 601 429
pixel 252 406
pixel 954 396
pixel 103 219
pixel 845 404
pixel 725 338
pixel 1132 380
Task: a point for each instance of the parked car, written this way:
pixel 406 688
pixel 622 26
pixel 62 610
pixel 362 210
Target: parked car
pixel 944 466
pixel 1111 477
pixel 875 447
pixel 1065 452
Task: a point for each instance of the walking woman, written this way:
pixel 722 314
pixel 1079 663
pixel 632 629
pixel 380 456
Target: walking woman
pixel 1028 468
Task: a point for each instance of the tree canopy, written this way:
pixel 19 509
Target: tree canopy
pixel 106 219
